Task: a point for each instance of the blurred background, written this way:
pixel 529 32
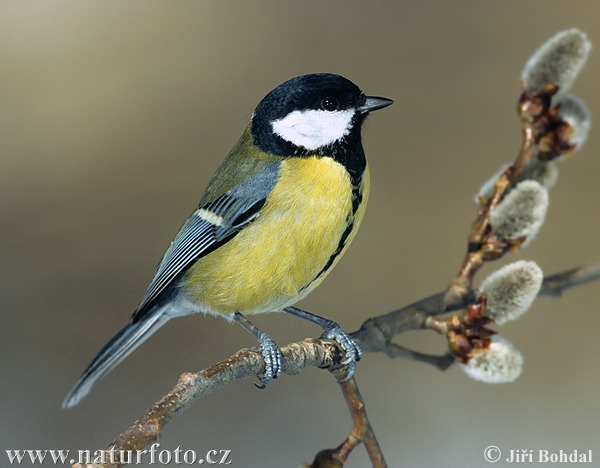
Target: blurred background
pixel 114 115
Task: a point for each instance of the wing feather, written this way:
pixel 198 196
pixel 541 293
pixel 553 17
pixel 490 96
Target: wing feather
pixel 198 236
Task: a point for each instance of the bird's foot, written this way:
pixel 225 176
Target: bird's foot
pixel 273 359
pixel 348 345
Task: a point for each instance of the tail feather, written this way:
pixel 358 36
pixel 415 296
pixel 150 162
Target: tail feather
pixel 117 349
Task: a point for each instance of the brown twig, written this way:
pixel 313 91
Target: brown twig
pixel 535 115
pixel 191 387
pixel 375 335
pixel 361 433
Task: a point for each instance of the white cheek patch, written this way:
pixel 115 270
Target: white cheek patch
pixel 313 129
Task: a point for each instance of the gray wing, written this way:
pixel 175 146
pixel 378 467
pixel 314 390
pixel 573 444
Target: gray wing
pixel 210 226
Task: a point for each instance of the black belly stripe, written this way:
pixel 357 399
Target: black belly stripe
pixel 356 198
pixel 337 251
pixel 356 201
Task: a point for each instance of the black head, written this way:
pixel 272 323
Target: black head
pixel 313 114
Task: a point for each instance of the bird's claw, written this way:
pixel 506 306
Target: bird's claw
pixel 273 359
pixel 348 345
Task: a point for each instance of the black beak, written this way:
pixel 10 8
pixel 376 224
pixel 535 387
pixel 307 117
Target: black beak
pixel 373 103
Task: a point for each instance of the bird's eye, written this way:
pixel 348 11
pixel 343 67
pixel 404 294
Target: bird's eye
pixel 329 104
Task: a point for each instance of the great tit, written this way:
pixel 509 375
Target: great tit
pixel 276 217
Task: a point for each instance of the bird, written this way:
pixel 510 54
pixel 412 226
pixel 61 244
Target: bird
pixel 274 220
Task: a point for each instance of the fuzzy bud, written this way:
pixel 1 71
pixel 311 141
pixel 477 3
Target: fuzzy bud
pixel 511 290
pixel 521 213
pixel 574 112
pixel 558 61
pixel 501 362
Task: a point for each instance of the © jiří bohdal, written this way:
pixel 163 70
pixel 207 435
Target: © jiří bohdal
pixel 549 456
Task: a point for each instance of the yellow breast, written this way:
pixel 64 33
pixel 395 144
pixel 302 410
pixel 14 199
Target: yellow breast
pixel 274 261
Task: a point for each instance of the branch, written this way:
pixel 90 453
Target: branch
pixel 555 285
pixel 361 433
pixel 545 136
pixel 374 335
